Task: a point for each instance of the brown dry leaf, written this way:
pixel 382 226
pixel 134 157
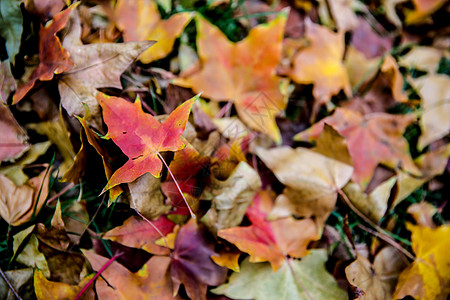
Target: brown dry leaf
pixel 147 197
pixel 58 134
pixel 20 279
pixel 76 220
pixel 96 66
pixel 428 277
pixel 434 89
pixel 13 142
pixel 139 20
pixel 373 205
pixel 423 213
pixel 377 280
pixel 232 197
pixel 320 63
pixel 390 71
pixel 423 58
pixel 391 13
pixel 7 82
pixel 17 203
pixel 343 14
pixel 312 178
pixel 55 236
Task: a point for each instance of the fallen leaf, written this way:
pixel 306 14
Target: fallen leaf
pixel 76 220
pixel 54 236
pixel 231 198
pixel 371 139
pixel 20 203
pixel 360 69
pixel 140 136
pixel 312 178
pixel 422 10
pixel 271 240
pixel 147 197
pixel 321 63
pixel 7 82
pixel 235 72
pixel 191 262
pixel 51 290
pixel 11 27
pixel 373 205
pixel 152 281
pixel 435 93
pixel 228 260
pixel 423 213
pixel 391 13
pixel 96 66
pixel 366 40
pixel 390 71
pixel 138 233
pixel 343 14
pixel 54 59
pixel 428 277
pixel 304 280
pixel 31 256
pixel 14 139
pixel 45 9
pixel 423 58
pixel 377 280
pixel 58 134
pixel 20 279
pixel 140 20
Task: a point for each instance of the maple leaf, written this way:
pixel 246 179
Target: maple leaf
pixel 271 240
pixel 140 136
pixel 304 280
pixel 243 72
pixel 96 66
pixel 140 20
pixel 428 277
pixel 54 58
pixel 152 281
pixel 372 139
pixel 320 63
pixel 191 262
pixel 138 233
pixel 51 290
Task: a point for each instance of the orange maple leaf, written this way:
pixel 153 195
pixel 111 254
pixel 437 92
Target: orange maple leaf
pixel 139 20
pixel 140 136
pixel 243 72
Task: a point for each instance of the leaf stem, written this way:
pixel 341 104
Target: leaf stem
pixel 110 261
pixel 178 187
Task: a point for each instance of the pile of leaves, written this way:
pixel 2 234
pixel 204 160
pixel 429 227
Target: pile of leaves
pixel 224 149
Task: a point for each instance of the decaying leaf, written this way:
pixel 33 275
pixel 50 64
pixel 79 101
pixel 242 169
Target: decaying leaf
pixel 140 20
pixel 304 280
pixel 21 280
pixel 428 277
pixel 242 72
pixel 140 136
pixel 231 198
pixel 95 66
pixel 271 240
